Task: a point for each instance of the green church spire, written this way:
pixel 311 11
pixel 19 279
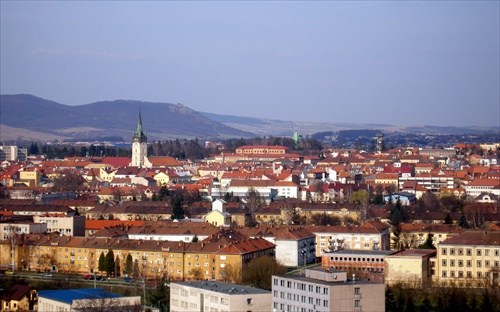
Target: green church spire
pixel 139 135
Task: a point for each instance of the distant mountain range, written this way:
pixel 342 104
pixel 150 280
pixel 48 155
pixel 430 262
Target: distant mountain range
pixel 29 117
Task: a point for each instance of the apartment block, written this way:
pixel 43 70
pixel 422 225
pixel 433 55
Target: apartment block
pixel 471 258
pixel 320 290
pixel 217 296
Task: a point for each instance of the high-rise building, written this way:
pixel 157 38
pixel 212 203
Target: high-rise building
pixel 139 145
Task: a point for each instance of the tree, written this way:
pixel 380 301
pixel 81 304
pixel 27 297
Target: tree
pixel 127 269
pixel 68 182
pixel 231 273
pixel 109 262
pixel 159 295
pixel 462 222
pixel 253 203
pixel 102 263
pixel 448 219
pixel 260 270
pixel 429 242
pixel 177 211
pixel 100 303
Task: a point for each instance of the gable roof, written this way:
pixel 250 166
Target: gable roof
pixel 16 292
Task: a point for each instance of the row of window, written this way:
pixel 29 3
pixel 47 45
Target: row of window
pixel 376 260
pixel 468 252
pixel 301 286
pixel 461 274
pixel 468 263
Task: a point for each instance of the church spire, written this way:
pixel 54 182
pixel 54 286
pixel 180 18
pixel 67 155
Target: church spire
pixel 139 135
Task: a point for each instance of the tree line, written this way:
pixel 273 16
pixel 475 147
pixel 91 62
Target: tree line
pixel 179 149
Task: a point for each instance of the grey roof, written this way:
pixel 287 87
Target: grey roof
pixel 222 287
pixel 361 252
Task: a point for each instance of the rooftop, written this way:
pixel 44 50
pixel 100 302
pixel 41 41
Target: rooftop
pixel 222 287
pixel 68 295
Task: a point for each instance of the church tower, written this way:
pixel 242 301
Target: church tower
pixel 139 145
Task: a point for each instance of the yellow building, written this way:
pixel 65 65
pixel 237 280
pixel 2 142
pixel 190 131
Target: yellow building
pixel 206 260
pixel 30 177
pixel 469 259
pixel 409 266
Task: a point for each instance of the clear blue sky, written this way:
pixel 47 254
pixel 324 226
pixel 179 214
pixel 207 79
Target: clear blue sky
pixel 402 63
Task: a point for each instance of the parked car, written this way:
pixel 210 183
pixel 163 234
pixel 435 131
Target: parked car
pixel 88 277
pixel 48 274
pixel 128 280
pixel 100 278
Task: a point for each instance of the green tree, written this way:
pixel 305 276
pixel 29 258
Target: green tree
pixel 462 222
pixel 109 262
pixel 359 197
pixel 177 211
pixel 127 269
pixel 429 243
pixel 391 304
pixel 260 270
pixel 102 263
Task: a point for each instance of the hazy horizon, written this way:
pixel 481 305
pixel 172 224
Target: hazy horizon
pixel 399 63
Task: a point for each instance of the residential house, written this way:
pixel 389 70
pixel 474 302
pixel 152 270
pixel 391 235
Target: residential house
pixel 19 298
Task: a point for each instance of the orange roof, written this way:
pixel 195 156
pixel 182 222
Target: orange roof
pixel 99 224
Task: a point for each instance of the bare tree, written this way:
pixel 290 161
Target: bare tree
pixel 254 202
pixel 231 273
pixel 106 304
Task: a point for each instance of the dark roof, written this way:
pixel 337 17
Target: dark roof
pixel 16 292
pixel 68 295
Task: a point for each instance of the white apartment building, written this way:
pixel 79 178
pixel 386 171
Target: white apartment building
pixel 13 153
pixel 8 229
pixel 217 296
pixel 321 290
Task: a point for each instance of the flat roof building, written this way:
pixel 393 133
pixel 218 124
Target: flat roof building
pixel 322 290
pixel 86 298
pixel 217 296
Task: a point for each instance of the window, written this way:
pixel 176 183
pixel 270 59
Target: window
pixel 249 301
pixel 469 252
pixel 486 252
pixel 452 263
pixel 444 262
pixel 357 303
pixel 460 251
pixel 460 263
pixel 452 251
pixel 452 274
pixel 479 263
pixel 357 291
pixel 486 263
pixel 469 263
pixel 478 252
pixel 444 274
pixel 497 252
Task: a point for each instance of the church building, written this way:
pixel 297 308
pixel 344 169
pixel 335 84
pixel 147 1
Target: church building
pixel 139 146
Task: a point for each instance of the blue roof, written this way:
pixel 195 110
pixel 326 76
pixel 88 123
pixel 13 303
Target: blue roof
pixel 68 295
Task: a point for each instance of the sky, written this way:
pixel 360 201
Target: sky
pixel 408 63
